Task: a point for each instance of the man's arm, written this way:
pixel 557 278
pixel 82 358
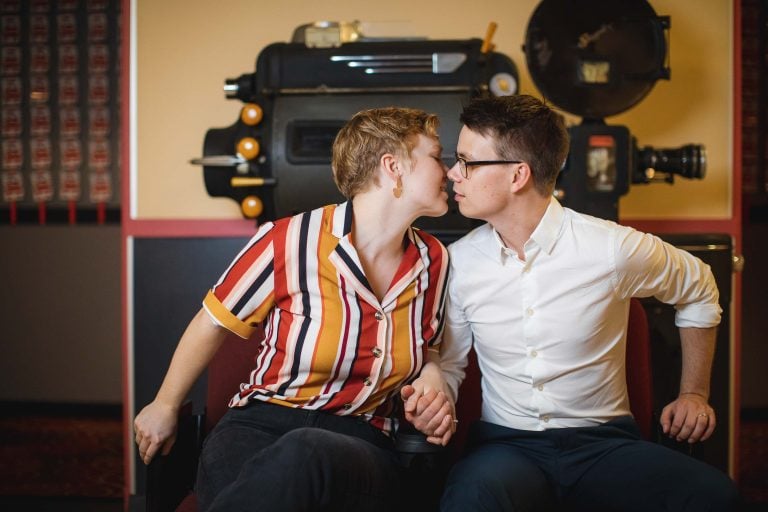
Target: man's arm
pixel 155 425
pixel 690 417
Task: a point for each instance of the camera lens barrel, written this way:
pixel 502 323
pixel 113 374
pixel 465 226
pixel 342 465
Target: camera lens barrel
pixel 689 161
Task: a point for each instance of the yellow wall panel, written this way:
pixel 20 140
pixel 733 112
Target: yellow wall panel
pixel 186 49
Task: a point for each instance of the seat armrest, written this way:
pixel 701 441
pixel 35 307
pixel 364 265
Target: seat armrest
pixel 426 466
pixel 170 478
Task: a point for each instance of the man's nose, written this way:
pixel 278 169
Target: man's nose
pixel 453 172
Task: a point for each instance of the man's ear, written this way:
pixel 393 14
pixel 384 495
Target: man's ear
pixel 522 175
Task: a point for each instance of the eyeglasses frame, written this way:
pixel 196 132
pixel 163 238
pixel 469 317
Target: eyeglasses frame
pixel 464 164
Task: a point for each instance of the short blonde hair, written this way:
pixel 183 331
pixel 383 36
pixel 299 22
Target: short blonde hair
pixel 370 134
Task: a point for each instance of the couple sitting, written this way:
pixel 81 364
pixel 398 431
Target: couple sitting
pixel 365 316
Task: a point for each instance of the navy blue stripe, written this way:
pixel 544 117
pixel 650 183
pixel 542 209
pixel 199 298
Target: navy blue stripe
pixel 441 311
pixel 268 271
pixel 306 308
pixel 348 218
pixel 266 228
pixel 352 267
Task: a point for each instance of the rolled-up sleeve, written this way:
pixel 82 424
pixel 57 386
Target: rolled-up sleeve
pixel 244 294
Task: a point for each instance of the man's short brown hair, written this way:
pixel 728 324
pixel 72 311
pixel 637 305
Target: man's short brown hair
pixel 524 128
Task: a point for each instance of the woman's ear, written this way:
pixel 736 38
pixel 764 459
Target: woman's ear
pixel 389 166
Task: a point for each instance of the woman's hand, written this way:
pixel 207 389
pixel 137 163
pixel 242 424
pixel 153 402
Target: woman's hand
pixel 155 428
pixel 428 407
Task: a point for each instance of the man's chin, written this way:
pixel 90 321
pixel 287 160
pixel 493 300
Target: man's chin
pixel 468 213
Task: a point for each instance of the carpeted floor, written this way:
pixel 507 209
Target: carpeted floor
pixel 70 453
pixel 50 452
pixel 753 460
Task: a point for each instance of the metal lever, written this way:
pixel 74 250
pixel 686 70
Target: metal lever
pixel 435 63
pixel 244 181
pixel 239 163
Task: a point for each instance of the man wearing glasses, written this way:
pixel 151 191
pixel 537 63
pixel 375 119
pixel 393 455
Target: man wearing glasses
pixel 543 293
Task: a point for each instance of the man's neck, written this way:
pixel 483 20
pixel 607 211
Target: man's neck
pixel 516 225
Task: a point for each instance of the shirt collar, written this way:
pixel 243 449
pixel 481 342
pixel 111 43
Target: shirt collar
pixel 545 235
pixel 342 220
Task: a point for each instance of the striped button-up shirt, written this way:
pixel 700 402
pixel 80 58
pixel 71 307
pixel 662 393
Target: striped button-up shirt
pixel 329 343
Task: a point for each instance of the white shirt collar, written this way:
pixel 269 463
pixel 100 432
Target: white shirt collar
pixel 550 226
pixel 545 235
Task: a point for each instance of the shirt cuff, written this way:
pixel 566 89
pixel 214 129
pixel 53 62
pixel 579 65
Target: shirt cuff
pixel 698 315
pixel 225 318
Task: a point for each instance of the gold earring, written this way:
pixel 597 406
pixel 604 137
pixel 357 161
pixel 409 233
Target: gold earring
pixel 398 190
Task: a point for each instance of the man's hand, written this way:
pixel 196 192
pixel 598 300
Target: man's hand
pixel 429 411
pixel 689 418
pixel 155 428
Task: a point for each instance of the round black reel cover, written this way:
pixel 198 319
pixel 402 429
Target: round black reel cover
pixel 595 58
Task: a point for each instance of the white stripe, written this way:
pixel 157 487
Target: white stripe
pixel 315 302
pixel 243 285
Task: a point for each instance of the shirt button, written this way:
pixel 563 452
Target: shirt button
pixel 367 381
pixel 545 419
pixel 526 269
pixel 540 387
pixel 376 352
pixel 379 315
pixel 534 353
pixel 529 312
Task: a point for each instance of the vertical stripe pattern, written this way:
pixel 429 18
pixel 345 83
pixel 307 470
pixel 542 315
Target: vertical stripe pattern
pixel 329 343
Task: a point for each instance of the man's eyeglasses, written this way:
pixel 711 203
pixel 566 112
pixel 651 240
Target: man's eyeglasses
pixel 464 165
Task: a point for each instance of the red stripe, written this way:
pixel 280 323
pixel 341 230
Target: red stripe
pixel 242 265
pixel 285 319
pixel 436 255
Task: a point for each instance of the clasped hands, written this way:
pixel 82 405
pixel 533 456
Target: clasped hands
pixel 429 409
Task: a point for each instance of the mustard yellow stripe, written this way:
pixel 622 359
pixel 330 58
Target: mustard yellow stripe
pixel 329 333
pixel 402 361
pixel 226 318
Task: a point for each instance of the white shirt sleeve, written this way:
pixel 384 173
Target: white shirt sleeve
pixel 647 266
pixel 454 348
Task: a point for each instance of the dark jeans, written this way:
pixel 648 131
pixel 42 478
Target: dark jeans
pixel 275 458
pixel 604 468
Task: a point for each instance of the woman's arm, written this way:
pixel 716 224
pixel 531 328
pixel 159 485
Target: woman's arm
pixel 155 425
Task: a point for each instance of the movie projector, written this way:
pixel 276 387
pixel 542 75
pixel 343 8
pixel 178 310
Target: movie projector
pixel 595 59
pixel 275 160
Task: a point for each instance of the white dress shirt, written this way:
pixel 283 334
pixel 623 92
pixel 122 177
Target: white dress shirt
pixel 550 329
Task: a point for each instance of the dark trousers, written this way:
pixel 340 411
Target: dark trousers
pixel 274 458
pixel 604 468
